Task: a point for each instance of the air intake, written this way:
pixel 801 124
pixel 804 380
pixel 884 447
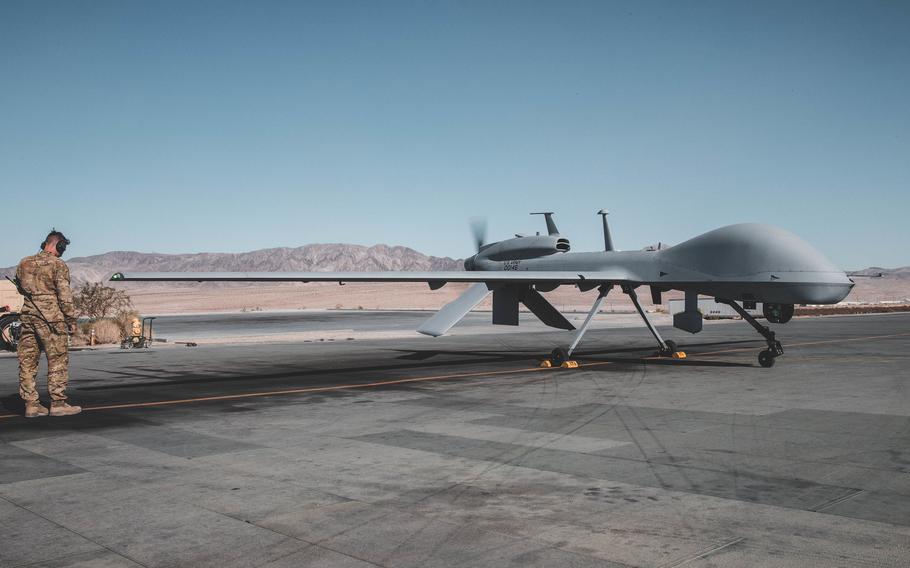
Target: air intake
pixel 562 245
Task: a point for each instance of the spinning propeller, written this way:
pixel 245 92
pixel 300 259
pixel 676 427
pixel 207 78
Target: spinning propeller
pixel 479 231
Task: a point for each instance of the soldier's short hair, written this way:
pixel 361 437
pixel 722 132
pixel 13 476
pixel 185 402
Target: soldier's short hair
pixel 57 237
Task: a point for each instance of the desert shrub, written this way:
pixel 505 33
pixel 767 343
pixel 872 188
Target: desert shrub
pixel 107 330
pixel 83 333
pixel 94 301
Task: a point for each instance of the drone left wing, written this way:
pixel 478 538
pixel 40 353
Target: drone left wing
pixel 432 278
pixel 509 288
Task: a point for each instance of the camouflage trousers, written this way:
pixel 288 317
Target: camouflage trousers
pixel 35 338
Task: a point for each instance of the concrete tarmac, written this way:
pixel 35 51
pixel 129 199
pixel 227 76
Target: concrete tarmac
pixel 460 451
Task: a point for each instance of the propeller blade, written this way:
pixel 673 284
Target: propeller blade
pixel 479 231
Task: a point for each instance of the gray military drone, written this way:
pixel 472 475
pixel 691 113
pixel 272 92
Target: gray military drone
pixel 738 265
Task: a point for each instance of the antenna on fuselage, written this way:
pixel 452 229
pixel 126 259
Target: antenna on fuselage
pixel 608 240
pixel 551 226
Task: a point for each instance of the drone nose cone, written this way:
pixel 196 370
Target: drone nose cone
pixel 825 293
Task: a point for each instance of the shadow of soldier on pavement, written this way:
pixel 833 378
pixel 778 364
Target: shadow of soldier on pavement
pixel 13 404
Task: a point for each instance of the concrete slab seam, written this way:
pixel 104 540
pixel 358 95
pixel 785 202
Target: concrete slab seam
pixel 55 523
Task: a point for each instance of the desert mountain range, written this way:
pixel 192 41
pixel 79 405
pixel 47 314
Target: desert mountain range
pixel 321 257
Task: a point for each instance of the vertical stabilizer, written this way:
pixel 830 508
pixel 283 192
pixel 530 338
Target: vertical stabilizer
pixel 608 240
pixel 551 225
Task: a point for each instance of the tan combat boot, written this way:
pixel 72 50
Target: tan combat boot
pixel 34 410
pixel 64 409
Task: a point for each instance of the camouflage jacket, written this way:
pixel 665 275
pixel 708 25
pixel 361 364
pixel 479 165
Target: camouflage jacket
pixel 47 279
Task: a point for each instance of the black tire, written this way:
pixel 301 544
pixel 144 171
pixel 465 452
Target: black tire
pixel 9 336
pixel 559 356
pixel 766 359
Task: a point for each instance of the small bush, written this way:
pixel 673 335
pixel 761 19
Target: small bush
pixel 107 330
pixel 83 333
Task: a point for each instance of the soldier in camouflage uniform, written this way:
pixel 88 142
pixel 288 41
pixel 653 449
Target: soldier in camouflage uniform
pixel 48 316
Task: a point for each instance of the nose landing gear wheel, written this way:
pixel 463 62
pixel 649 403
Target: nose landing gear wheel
pixel 559 356
pixel 766 359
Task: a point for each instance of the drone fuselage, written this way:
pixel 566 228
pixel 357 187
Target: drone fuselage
pixel 748 262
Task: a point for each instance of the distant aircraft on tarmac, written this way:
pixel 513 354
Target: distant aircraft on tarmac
pixel 746 263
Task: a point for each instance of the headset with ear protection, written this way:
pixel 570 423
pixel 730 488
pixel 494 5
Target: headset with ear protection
pixel 62 241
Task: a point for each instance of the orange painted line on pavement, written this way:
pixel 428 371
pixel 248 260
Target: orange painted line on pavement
pixel 424 379
pixel 695 354
pixel 305 390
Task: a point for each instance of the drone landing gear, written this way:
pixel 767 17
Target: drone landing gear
pixel 561 357
pixel 666 348
pixel 767 356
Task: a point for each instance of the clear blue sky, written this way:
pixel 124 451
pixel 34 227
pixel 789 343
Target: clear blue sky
pixel 231 126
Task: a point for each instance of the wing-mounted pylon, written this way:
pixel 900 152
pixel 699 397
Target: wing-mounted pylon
pixel 506 300
pixel 544 310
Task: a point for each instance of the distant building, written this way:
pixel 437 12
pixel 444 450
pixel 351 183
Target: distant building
pixel 9 296
pixel 711 309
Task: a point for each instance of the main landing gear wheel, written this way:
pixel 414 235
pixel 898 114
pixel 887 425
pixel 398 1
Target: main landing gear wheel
pixel 671 348
pixel 559 356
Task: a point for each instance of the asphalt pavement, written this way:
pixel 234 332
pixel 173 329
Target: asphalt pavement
pixel 461 451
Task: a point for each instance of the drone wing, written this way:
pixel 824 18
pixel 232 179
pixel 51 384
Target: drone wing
pixel 435 279
pixel 509 289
